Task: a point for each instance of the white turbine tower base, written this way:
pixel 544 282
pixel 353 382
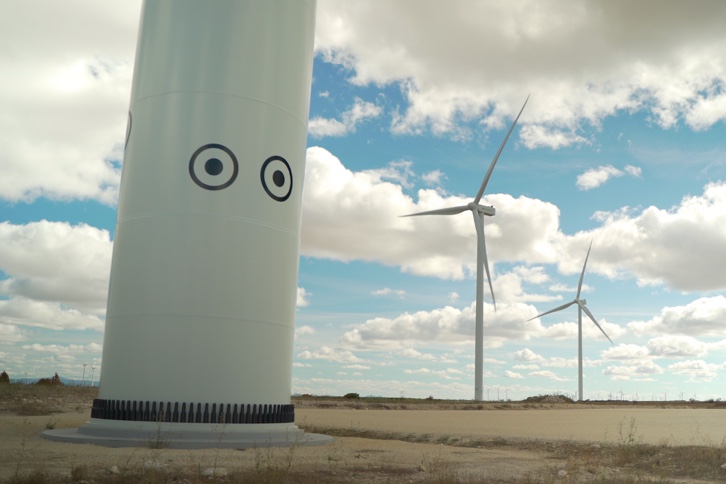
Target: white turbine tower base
pixel 581 306
pixel 478 212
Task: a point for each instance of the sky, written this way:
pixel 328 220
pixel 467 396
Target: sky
pixel 622 144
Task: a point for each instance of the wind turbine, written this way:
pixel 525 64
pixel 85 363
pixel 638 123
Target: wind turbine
pixel 478 211
pixel 581 306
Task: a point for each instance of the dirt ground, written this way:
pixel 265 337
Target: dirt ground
pixel 494 443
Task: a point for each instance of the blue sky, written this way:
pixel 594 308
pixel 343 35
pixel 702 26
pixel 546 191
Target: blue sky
pixel 621 143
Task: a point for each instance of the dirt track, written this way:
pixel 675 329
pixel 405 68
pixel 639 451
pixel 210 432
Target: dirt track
pixel 687 426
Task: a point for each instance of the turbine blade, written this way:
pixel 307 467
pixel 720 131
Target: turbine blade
pixel 440 211
pixel 582 274
pixel 482 249
pixel 496 157
pixel 559 308
pixel 589 314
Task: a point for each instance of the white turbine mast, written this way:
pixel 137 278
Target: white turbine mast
pixel 479 211
pixel 581 306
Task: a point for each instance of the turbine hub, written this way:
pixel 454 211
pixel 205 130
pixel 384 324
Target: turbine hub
pixel 489 211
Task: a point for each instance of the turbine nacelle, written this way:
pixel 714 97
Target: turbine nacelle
pixel 581 302
pixel 475 207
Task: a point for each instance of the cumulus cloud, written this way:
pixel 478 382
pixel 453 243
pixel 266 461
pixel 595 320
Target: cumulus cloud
pixel 329 354
pixel 676 346
pixel 303 330
pixel 360 111
pixel 66 101
pixel 595 177
pixel 638 371
pixel 695 370
pixel 54 262
pixel 680 246
pixel 10 333
pixel 580 64
pixel 64 350
pixel 444 325
pixel 357 215
pixel 703 317
pixel 625 352
pixel 302 298
pixel 547 374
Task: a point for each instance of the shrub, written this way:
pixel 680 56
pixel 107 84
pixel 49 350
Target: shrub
pixel 351 395
pixel 50 381
pixel 4 378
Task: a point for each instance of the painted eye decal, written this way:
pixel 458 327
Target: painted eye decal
pixel 276 177
pixel 128 130
pixel 213 167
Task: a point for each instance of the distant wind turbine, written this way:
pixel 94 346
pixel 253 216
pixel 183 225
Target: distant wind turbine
pixel 478 211
pixel 581 306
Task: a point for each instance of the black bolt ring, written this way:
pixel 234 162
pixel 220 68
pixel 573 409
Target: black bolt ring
pixel 205 185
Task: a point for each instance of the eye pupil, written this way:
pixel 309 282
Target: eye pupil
pixel 278 178
pixel 213 166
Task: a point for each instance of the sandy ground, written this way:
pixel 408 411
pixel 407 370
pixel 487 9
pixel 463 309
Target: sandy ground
pixel 351 459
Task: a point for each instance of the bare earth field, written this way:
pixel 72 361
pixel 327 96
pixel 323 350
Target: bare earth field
pixel 385 441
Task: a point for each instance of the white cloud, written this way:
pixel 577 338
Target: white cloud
pixel 695 370
pixel 445 325
pixel 302 298
pixel 10 333
pixel 676 346
pixel 448 374
pixel 20 311
pixel 388 292
pixel 329 354
pixel 633 171
pixel 703 317
pixel 53 262
pixel 304 330
pixel 581 64
pixel 547 374
pixel 638 371
pixel 65 100
pixel 527 355
pixel 358 113
pixel 625 352
pixel 64 350
pixel 357 215
pixel 512 374
pixel 433 178
pixel 595 177
pixel 680 247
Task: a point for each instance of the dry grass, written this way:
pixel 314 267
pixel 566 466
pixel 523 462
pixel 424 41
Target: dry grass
pixel 627 460
pixel 33 400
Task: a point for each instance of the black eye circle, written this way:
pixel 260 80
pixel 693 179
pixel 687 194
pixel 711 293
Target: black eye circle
pixel 213 167
pixel 276 177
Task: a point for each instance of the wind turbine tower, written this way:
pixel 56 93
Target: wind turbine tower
pixel 581 307
pixel 479 211
pixel 200 320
